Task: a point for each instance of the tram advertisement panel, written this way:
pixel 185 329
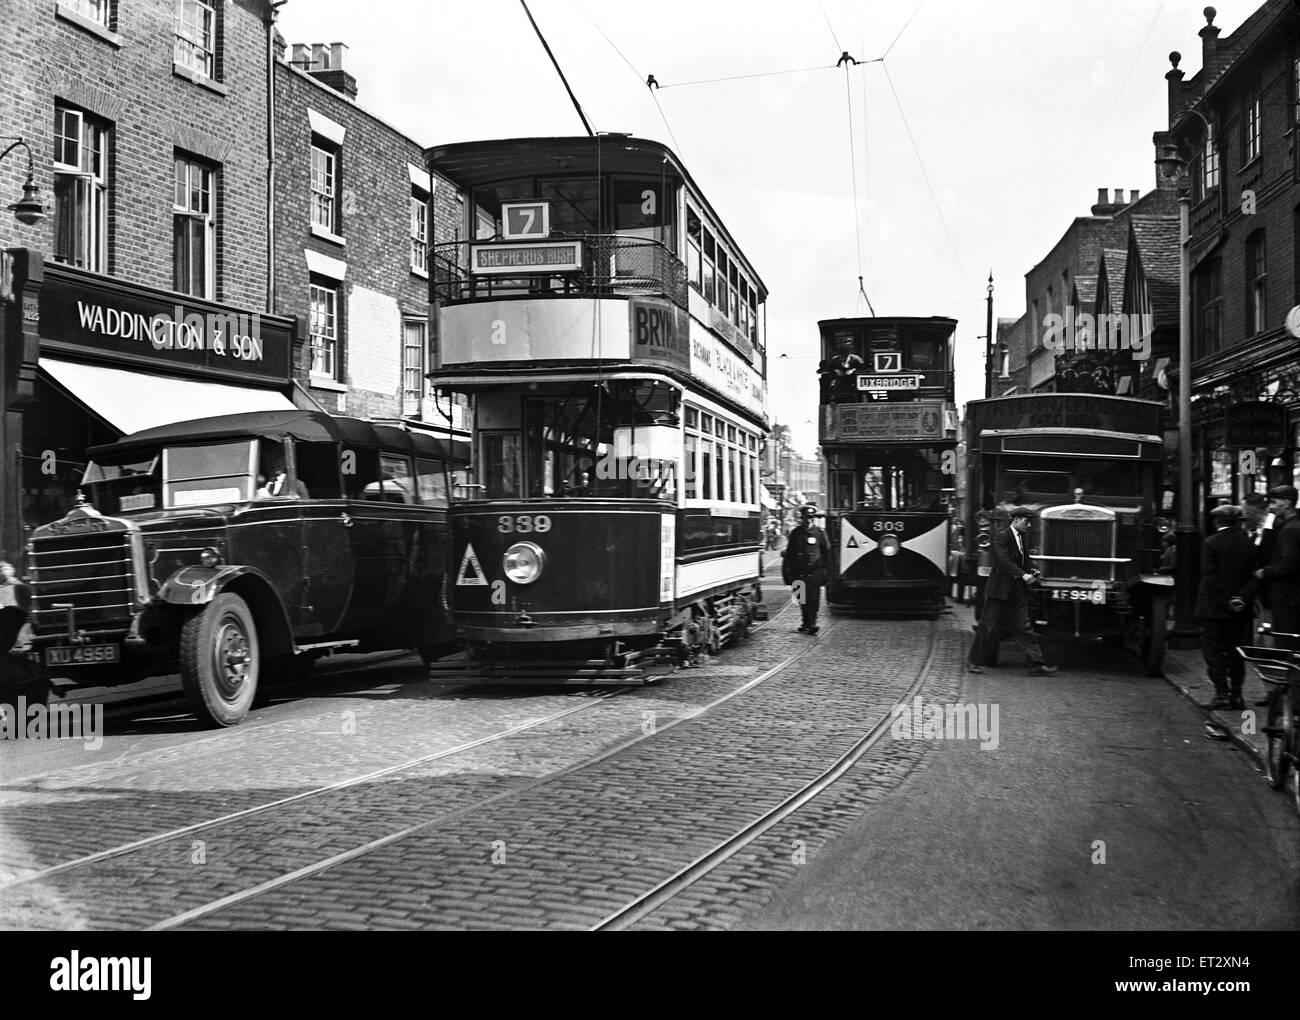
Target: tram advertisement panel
pixel 921 421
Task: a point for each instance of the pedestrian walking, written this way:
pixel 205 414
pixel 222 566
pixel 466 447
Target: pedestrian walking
pixel 1006 597
pixel 1277 583
pixel 1228 560
pixel 805 564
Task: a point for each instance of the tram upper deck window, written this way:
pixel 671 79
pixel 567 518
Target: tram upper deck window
pixel 923 355
pixel 710 257
pixel 642 210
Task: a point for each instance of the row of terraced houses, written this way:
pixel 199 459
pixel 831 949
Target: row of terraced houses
pixel 227 229
pixel 1232 149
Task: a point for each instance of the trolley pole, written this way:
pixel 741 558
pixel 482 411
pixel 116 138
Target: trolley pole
pixel 988 343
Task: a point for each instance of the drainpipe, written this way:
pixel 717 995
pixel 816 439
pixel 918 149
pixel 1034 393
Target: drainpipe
pixel 273 12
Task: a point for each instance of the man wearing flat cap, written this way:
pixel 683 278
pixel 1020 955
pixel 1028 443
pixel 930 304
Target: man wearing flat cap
pixel 1278 582
pixel 1227 561
pixel 1006 599
pixel 805 564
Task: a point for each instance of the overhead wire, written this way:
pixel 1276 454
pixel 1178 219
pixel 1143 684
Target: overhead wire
pixel 1078 172
pixel 649 80
pixel 926 176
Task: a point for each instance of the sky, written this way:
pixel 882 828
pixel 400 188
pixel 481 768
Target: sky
pixel 986 127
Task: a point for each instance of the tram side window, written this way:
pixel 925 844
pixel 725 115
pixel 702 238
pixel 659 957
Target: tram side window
pixel 395 483
pixel 692 466
pixel 501 474
pixel 710 254
pixel 431 481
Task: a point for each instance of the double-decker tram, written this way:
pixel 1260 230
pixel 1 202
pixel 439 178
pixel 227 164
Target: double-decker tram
pixel 888 434
pixel 608 331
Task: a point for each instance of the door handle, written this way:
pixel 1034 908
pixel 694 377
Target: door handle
pixel 346 519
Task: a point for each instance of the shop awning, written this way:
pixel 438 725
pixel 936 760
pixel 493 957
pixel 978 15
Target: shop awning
pixel 131 401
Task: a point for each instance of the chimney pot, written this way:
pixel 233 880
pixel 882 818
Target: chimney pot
pixel 319 58
pixel 337 50
pixel 300 55
pixel 1133 195
pixel 1103 196
pixel 1119 196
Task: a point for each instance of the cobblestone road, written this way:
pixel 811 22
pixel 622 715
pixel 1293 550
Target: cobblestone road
pixel 545 851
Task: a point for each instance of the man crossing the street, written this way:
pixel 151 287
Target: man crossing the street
pixel 1006 601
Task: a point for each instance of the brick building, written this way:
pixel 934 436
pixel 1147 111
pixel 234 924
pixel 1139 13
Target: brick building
pixel 141 297
pixel 1234 124
pixel 1074 278
pixel 356 215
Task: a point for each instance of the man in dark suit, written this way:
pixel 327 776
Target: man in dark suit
pixel 1278 582
pixel 1227 562
pixel 805 563
pixel 1006 597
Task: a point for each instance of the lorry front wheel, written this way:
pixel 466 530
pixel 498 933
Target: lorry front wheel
pixel 219 661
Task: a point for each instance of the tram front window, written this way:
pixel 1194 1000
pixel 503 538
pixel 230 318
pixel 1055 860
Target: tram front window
pixel 614 440
pixel 910 485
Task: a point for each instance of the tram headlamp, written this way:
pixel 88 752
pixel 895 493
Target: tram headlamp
pixel 1163 525
pixel 209 557
pixel 984 541
pixel 523 562
pixel 889 546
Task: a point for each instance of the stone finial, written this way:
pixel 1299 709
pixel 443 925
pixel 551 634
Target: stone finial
pixel 1174 58
pixel 1209 13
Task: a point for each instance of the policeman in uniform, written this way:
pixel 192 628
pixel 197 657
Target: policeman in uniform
pixel 1227 562
pixel 807 560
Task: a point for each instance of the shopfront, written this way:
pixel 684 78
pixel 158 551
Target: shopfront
pixel 90 358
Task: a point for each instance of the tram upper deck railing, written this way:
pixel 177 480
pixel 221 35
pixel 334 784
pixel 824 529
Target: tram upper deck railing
pixel 611 265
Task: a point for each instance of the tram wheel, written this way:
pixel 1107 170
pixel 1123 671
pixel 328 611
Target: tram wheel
pixel 219 661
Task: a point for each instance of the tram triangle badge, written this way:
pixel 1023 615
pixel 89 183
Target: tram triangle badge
pixel 853 545
pixel 470 573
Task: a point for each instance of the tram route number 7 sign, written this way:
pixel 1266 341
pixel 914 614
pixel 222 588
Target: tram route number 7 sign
pixel 523 220
pixel 888 361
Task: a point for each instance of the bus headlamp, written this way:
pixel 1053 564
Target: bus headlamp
pixel 209 557
pixel 523 562
pixel 1163 525
pixel 984 540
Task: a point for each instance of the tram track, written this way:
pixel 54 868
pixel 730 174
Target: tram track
pixel 281 805
pixel 669 889
pixel 640 905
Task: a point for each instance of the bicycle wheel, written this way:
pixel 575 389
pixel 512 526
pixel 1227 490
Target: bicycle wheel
pixel 1276 761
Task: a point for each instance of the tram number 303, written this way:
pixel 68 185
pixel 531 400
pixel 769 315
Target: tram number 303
pixel 523 524
pixel 887 526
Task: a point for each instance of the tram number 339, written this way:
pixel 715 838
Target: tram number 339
pixel 523 524
pixel 887 526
